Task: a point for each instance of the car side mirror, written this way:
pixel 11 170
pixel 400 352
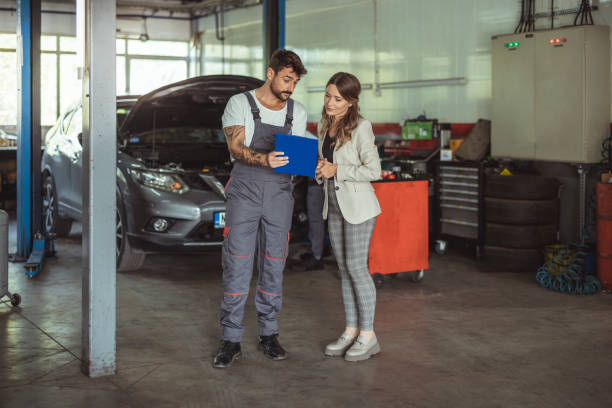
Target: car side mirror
pixel 80 137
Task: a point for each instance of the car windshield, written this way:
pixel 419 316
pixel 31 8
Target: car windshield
pixel 179 136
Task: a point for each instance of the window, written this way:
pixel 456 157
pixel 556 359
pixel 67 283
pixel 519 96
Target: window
pixel 52 79
pixel 121 84
pixel 141 67
pixel 68 44
pixel 120 46
pixel 71 86
pixel 149 74
pixel 48 43
pixel 8 41
pixel 8 90
pixel 145 66
pixel 159 48
pixel 48 91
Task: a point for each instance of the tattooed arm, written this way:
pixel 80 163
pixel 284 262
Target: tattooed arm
pixel 235 143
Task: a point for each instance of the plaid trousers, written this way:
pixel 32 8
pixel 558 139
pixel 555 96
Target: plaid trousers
pixel 351 244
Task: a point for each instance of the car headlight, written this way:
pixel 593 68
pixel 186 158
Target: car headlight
pixel 214 184
pixel 160 181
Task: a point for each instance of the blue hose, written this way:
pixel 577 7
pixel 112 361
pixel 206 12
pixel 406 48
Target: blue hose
pixel 557 275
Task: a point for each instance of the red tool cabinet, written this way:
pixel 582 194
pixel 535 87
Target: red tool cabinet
pixel 400 241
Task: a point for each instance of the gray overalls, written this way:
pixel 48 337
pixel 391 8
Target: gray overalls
pixel 258 220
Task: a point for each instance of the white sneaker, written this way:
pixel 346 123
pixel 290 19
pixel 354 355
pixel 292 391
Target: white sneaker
pixel 338 347
pixel 362 349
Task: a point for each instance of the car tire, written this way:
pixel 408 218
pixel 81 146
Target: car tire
pixel 520 236
pixel 52 222
pixel 520 212
pixel 500 259
pixel 128 259
pixel 521 187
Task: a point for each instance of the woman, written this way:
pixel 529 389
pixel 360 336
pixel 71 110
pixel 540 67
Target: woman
pixel 348 162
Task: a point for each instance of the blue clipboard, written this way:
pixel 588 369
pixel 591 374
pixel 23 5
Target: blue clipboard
pixel 302 153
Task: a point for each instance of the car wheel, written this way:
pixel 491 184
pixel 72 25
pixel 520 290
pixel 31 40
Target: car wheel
pixel 52 222
pixel 440 247
pixel 15 299
pixel 127 258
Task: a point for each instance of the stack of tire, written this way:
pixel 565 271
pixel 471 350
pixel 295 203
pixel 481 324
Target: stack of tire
pixel 521 218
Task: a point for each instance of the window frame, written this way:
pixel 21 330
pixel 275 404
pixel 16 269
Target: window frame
pixel 128 58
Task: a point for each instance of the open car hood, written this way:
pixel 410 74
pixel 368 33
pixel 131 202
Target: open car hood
pixel 192 103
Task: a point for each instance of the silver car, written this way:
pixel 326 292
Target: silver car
pixel 172 164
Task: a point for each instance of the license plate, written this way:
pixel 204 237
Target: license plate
pixel 219 219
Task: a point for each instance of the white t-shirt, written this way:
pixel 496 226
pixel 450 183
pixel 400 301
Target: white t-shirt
pixel 238 113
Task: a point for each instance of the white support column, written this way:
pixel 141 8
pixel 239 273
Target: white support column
pixel 96 22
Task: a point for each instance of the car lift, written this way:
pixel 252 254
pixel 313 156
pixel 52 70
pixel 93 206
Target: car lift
pixel 41 248
pixel 29 199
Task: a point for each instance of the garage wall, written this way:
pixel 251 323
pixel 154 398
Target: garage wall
pixel 412 40
pixel 241 51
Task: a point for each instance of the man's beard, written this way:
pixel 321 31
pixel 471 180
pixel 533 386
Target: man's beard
pixel 279 94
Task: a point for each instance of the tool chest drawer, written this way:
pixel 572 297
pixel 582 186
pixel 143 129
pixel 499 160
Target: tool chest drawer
pixel 459 198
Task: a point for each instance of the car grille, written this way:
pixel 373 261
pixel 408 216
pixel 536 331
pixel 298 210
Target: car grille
pixel 206 232
pixel 194 180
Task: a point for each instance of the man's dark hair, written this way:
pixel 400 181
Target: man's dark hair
pixel 286 59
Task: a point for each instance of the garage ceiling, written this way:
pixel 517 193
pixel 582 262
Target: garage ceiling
pixel 194 7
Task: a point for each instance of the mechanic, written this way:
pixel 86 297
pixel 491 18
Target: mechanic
pixel 313 258
pixel 259 204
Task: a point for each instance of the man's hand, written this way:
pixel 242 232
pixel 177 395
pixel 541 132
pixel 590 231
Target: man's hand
pixel 325 169
pixel 276 159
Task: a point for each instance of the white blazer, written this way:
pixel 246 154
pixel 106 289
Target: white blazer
pixel 358 164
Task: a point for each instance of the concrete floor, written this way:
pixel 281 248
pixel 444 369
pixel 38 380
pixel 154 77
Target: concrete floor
pixel 461 338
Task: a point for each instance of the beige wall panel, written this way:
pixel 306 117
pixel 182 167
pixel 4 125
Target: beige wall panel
pixel 513 131
pixel 559 95
pixel 598 95
pixel 551 102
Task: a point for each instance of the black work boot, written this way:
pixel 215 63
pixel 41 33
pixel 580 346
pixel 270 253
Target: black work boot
pixel 308 263
pixel 228 352
pixel 272 348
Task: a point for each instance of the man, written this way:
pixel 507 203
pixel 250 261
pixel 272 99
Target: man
pixel 313 259
pixel 259 204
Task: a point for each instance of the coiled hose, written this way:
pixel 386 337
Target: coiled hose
pixel 564 272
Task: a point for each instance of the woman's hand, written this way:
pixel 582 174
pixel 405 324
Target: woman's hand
pixel 320 164
pixel 325 169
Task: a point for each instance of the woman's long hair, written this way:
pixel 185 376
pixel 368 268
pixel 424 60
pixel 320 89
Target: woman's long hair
pixel 349 87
